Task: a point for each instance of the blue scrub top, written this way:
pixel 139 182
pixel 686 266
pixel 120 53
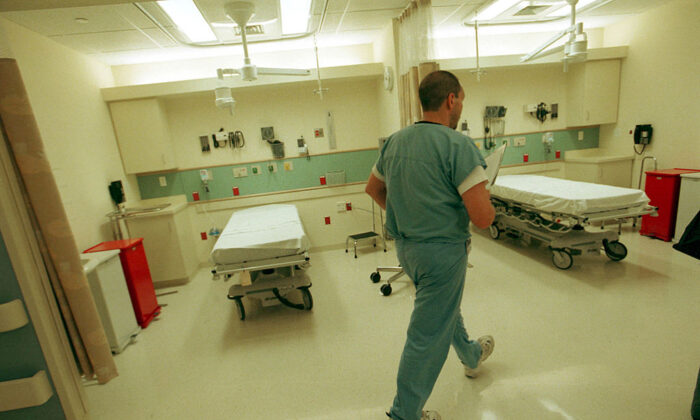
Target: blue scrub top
pixel 422 166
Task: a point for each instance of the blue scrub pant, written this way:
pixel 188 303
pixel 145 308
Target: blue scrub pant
pixel 438 271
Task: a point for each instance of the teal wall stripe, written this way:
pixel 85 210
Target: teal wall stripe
pixel 356 164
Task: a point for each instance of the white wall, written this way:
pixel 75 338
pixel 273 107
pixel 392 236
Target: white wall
pixel 659 84
pixel 387 101
pixel 292 110
pixel 513 88
pixel 74 122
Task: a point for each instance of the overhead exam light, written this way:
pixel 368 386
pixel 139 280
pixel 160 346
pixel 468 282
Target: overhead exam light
pixel 576 47
pixel 188 19
pixel 224 99
pixel 241 12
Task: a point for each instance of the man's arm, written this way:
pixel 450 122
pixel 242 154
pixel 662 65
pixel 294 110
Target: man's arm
pixel 477 201
pixel 377 190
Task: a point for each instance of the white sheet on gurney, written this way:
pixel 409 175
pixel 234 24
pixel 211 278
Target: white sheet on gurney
pixel 260 233
pixel 563 196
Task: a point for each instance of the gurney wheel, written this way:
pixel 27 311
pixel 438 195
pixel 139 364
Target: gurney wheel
pixel 494 231
pixel 385 289
pixel 306 297
pixel 562 259
pixel 615 250
pixel 375 277
pixel 241 309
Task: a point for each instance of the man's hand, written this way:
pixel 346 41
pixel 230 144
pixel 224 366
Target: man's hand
pixel 377 190
pixel 477 201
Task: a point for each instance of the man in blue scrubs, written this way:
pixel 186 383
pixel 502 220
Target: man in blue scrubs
pixel 430 179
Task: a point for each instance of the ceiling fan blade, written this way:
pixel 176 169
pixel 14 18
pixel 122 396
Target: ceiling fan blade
pixel 284 72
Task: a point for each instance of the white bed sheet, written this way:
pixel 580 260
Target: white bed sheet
pixel 261 233
pixel 563 196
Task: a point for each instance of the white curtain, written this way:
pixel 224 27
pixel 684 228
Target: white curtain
pixel 414 50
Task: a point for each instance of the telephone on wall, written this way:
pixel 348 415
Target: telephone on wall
pixel 642 134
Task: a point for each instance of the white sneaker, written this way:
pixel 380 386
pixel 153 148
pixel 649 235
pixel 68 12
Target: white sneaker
pixel 427 415
pixel 430 415
pixel 487 344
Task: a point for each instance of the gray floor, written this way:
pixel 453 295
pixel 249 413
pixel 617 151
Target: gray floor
pixel 603 340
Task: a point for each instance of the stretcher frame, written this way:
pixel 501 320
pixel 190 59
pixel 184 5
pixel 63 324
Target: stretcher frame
pixel 270 281
pixel 564 233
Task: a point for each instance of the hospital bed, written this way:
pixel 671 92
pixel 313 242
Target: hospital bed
pixel 268 248
pixel 556 212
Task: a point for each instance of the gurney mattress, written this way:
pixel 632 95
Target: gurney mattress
pixel 556 195
pixel 261 233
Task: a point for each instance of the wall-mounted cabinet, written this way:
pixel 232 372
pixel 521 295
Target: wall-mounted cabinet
pixel 592 93
pixel 142 132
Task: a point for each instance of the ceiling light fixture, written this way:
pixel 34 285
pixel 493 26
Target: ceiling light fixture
pixel 188 19
pixel 565 11
pixel 495 9
pixel 295 16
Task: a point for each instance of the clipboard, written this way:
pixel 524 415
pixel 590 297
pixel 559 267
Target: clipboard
pixel 493 164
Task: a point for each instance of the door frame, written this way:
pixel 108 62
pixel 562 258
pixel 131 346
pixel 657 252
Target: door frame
pixel 39 298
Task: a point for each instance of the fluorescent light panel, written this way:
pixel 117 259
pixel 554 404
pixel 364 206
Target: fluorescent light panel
pixel 566 11
pixel 188 19
pixel 495 9
pixel 295 16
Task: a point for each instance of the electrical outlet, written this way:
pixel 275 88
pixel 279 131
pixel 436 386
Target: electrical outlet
pixel 240 172
pixel 163 182
pixel 272 167
pixel 519 141
pixel 288 166
pixel 530 108
pixel 340 206
pixel 318 133
pixel 580 136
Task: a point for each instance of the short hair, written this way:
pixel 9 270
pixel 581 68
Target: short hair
pixel 435 87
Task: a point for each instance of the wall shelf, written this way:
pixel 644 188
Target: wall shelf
pixel 354 72
pixel 511 61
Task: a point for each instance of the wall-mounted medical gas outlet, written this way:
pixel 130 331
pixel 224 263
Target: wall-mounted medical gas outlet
pixel 288 166
pixel 348 206
pixel 530 108
pixel 255 169
pixel 272 167
pixel 302 148
pixel 240 172
pixel 205 175
pixel 162 181
pixel 505 141
pixel 318 133
pixel 519 141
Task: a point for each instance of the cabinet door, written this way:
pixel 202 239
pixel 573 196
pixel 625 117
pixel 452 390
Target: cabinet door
pixel 143 135
pixel 593 90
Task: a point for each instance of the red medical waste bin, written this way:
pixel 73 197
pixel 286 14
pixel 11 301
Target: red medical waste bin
pixel 662 188
pixel 138 277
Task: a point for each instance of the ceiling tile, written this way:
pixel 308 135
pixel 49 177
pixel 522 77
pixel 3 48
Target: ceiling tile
pixel 115 41
pixel 54 22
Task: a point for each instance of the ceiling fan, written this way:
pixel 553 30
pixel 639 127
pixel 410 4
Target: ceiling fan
pixel 241 12
pixel 576 47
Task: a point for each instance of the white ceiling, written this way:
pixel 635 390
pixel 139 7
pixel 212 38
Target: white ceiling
pixel 117 32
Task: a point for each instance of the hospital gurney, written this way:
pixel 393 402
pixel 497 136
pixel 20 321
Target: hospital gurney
pixel 268 248
pixel 556 211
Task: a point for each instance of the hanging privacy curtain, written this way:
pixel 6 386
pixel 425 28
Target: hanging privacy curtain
pixel 54 235
pixel 413 40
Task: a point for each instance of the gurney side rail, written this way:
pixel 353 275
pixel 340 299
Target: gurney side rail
pixel 301 260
